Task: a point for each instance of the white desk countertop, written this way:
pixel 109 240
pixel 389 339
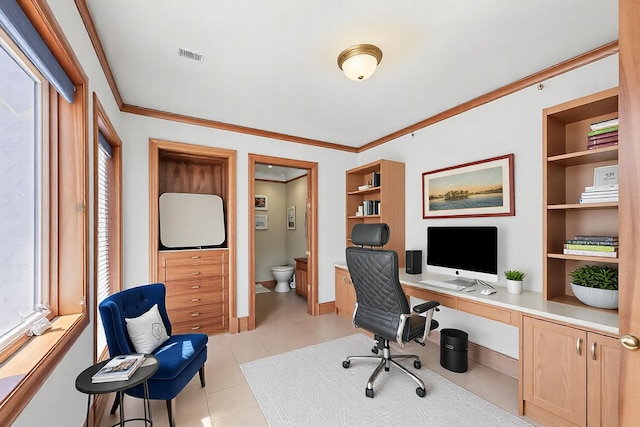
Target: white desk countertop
pixel 528 302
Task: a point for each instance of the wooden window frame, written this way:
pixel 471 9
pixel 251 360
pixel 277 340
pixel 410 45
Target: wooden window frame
pixel 35 358
pixel 102 124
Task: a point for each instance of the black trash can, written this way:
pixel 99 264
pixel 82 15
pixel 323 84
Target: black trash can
pixel 454 350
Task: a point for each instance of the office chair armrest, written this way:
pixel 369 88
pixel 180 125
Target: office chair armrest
pixel 425 306
pixel 426 310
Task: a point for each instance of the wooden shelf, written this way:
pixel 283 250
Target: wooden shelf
pixel 585 157
pixel 570 206
pixel 584 258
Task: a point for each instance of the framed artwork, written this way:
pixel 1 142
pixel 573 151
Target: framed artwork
pixel 291 218
pixel 261 202
pixel 483 188
pixel 262 222
pixel 605 175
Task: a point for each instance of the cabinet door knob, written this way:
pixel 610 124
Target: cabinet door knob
pixel 630 342
pixel 579 346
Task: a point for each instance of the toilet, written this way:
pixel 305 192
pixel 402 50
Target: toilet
pixel 282 274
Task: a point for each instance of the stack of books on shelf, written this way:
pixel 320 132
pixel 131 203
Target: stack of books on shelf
pixel 120 368
pixel 603 134
pixel 599 194
pixel 603 246
pixel 371 207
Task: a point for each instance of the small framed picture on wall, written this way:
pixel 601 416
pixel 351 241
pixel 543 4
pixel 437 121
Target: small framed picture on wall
pixel 261 202
pixel 291 218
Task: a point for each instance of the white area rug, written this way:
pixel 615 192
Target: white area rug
pixel 261 289
pixel 309 387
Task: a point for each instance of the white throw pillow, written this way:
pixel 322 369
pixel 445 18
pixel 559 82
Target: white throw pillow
pixel 147 331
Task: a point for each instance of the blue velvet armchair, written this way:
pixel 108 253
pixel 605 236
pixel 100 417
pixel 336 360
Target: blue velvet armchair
pixel 180 357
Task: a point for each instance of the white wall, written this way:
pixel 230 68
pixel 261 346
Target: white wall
pixel 512 124
pixel 509 125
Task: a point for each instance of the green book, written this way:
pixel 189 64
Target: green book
pixel 604 130
pixel 601 248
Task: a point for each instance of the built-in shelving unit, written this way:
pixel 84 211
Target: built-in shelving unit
pixel 568 167
pixel 388 196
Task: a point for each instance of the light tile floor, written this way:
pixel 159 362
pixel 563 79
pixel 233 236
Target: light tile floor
pixel 282 325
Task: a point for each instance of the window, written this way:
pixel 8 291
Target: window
pixel 107 196
pixel 22 181
pixel 48 256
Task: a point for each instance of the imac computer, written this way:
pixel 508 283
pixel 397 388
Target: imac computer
pixel 463 253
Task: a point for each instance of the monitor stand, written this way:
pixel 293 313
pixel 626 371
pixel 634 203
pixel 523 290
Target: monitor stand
pixel 465 283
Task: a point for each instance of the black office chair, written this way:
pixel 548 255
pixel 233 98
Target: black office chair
pixel 381 305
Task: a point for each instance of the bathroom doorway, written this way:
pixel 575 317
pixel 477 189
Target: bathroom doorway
pixel 305 214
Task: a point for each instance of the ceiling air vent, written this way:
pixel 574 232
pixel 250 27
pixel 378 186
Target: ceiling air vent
pixel 190 54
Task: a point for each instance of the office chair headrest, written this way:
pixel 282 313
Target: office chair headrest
pixel 370 234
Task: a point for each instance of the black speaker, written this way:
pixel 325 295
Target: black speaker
pixel 414 262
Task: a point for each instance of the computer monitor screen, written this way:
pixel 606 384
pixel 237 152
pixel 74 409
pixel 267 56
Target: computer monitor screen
pixel 464 252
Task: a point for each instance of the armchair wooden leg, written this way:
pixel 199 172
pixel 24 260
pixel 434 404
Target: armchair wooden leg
pixel 171 410
pixel 116 403
pixel 201 372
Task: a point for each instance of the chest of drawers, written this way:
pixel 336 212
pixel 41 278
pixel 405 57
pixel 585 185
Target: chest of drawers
pixel 197 289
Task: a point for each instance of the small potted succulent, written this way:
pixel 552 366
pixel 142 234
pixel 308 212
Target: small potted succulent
pixel 514 281
pixel 596 285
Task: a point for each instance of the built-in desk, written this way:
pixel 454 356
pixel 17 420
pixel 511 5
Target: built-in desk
pixel 508 308
pixel 563 347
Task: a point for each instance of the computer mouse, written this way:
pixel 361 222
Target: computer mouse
pixel 488 291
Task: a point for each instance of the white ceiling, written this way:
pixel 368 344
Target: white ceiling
pixel 271 64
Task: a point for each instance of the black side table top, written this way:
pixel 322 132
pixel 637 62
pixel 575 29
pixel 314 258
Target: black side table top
pixel 143 373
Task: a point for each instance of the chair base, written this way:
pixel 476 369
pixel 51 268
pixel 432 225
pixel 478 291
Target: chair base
pixel 386 361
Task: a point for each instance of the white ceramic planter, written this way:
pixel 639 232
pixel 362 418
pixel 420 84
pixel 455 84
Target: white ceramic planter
pixel 596 297
pixel 514 286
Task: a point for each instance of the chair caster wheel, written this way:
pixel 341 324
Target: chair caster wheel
pixel 375 350
pixel 421 392
pixel 346 364
pixel 369 392
pixel 417 364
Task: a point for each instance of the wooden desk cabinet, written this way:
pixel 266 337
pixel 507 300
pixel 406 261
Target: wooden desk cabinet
pixel 197 289
pixel 301 277
pixel 345 293
pixel 569 375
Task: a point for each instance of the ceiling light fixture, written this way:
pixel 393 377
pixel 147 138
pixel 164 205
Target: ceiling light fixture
pixel 359 62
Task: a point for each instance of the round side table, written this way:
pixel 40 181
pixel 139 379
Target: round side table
pixel 140 376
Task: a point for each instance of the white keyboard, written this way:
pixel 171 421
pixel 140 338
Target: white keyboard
pixel 440 284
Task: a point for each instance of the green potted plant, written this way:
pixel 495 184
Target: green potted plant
pixel 515 280
pixel 596 285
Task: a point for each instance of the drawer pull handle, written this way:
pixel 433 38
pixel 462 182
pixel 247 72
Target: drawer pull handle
pixel 195 328
pixel 195 314
pixel 195 273
pixel 195 287
pixel 195 257
pixel 593 350
pixel 195 299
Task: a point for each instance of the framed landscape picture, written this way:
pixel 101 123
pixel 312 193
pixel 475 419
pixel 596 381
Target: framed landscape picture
pixel 482 188
pixel 262 222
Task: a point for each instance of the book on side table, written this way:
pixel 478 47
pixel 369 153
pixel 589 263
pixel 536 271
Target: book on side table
pixel 120 368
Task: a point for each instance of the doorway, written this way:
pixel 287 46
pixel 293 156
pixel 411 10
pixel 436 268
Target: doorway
pixel 311 211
